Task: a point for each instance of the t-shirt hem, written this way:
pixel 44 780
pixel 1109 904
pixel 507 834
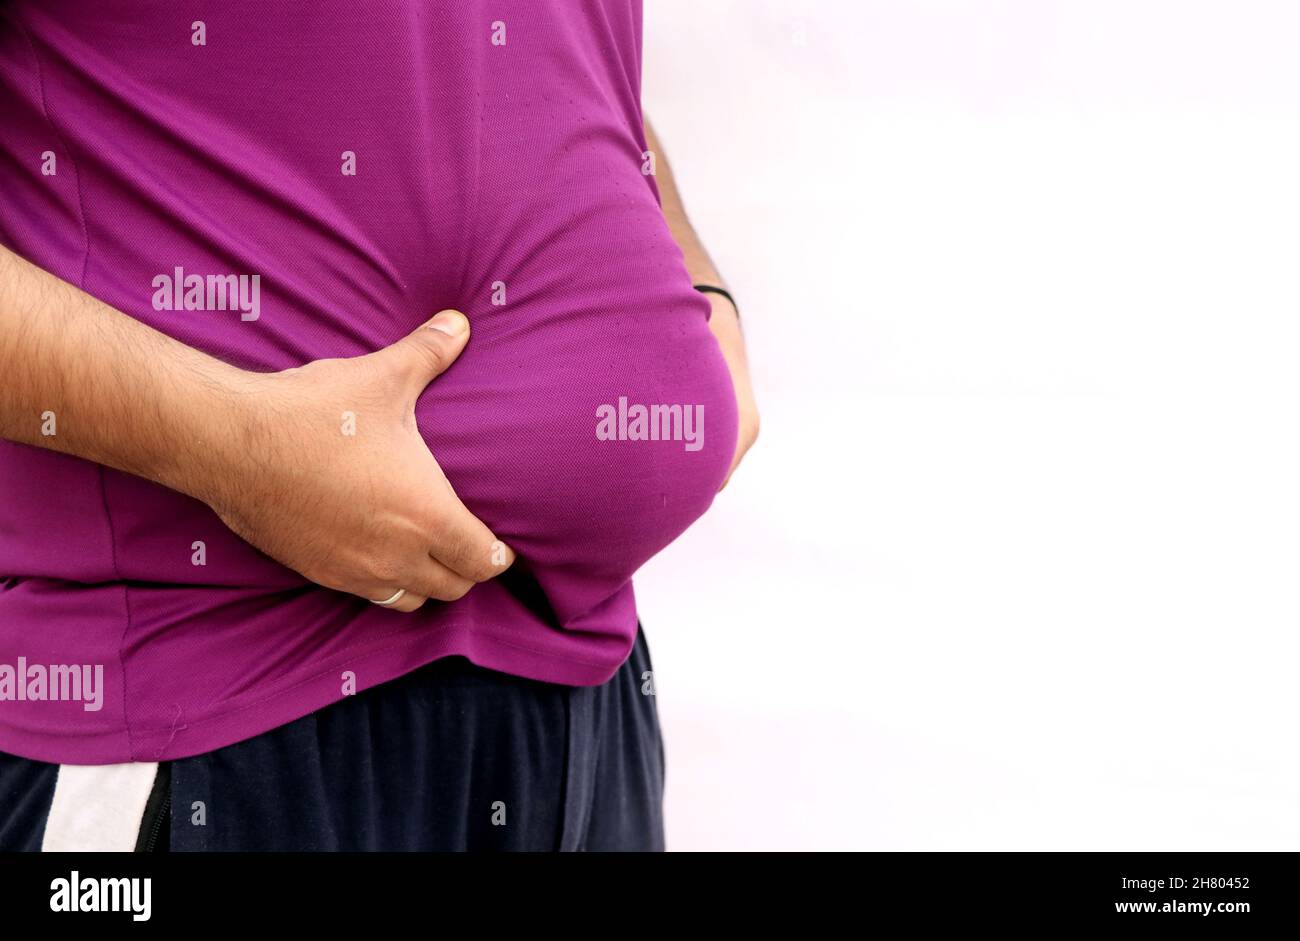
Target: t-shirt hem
pixel 238 720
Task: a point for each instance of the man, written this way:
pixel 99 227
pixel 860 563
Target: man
pixel 289 563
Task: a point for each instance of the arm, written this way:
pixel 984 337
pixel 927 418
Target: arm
pixel 264 450
pixel 724 321
pixel 121 393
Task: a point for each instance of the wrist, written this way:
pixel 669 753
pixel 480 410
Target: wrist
pixel 724 323
pixel 212 430
pixel 717 296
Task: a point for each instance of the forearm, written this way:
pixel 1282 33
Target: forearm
pixel 698 262
pixel 724 322
pixel 79 377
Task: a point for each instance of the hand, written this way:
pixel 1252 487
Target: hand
pixel 725 324
pixel 331 478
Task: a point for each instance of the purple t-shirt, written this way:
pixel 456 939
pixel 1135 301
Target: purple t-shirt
pixel 370 164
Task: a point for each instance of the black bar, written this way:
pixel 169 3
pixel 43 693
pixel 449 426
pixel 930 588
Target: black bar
pixel 640 894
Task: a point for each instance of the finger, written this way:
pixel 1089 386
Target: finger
pixel 409 602
pixel 466 546
pixel 428 351
pixel 434 580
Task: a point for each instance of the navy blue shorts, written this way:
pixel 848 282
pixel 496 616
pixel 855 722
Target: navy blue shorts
pixel 449 757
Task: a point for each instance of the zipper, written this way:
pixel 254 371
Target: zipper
pixel 162 815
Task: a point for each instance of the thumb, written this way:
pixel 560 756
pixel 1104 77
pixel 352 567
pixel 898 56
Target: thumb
pixel 431 349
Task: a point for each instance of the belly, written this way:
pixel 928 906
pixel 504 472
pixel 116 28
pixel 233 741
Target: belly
pixel 588 443
pixel 592 418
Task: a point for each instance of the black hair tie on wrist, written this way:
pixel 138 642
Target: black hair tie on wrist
pixel 714 289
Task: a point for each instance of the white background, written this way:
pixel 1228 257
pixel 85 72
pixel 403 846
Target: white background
pixel 1015 562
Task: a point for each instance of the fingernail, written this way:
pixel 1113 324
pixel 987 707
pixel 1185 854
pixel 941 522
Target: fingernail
pixel 451 322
